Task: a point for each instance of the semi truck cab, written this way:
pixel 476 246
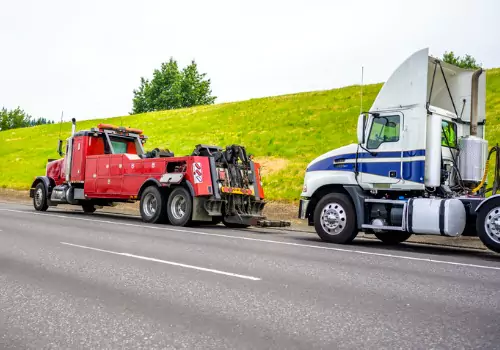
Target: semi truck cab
pixel 419 164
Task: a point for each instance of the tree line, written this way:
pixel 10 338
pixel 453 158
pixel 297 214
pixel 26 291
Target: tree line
pixel 17 118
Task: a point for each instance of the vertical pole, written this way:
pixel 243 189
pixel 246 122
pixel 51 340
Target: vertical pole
pixel 362 73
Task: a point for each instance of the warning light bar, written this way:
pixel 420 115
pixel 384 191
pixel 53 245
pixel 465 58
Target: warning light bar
pixel 120 129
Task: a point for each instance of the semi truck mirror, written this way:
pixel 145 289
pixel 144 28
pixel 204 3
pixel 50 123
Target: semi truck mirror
pixel 59 148
pixel 361 129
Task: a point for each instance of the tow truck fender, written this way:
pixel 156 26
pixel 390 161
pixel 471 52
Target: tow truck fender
pixel 47 181
pixel 149 182
pixel 190 187
pixel 156 182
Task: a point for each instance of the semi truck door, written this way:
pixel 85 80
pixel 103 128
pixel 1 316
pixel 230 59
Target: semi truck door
pixel 380 165
pixel 78 160
pixel 90 175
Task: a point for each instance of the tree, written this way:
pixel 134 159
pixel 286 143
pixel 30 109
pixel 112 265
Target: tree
pixel 171 88
pixel 17 118
pixel 467 61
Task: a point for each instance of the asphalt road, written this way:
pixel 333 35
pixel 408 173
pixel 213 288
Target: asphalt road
pixel 75 281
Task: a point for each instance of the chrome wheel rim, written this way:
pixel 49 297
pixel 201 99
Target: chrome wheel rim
pixel 150 205
pixel 178 207
pixel 333 218
pixel 492 225
pixel 39 197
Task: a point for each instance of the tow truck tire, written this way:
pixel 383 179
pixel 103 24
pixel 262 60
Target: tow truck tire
pixel 335 219
pixel 153 205
pixel 88 208
pixel 40 197
pixel 180 207
pixel 393 237
pixel 486 225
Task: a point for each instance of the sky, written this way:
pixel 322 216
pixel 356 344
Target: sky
pixel 86 57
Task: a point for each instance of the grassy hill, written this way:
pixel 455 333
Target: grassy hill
pixel 284 133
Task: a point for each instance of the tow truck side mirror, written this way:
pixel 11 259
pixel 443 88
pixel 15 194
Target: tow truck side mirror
pixel 59 148
pixel 361 129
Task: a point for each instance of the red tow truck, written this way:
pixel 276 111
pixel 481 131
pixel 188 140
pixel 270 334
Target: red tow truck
pixel 107 165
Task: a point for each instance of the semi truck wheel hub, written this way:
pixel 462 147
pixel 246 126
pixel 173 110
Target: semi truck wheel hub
pixel 333 218
pixel 492 224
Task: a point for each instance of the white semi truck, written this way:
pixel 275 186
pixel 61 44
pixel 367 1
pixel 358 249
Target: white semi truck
pixel 419 166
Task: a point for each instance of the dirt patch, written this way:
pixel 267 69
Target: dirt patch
pixel 8 195
pixel 271 165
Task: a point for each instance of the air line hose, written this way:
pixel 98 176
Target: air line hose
pixel 496 181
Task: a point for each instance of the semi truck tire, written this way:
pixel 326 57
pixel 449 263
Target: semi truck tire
pixel 180 207
pixel 335 219
pixel 153 205
pixel 488 224
pixel 40 201
pixel 393 237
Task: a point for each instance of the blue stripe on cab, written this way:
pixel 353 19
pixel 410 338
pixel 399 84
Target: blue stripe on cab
pixel 412 170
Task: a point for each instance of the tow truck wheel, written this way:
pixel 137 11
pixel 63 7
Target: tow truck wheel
pixel 393 237
pixel 40 198
pixel 88 208
pixel 488 225
pixel 180 207
pixel 335 219
pixel 153 205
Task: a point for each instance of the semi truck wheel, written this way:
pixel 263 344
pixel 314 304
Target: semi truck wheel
pixel 40 198
pixel 180 207
pixel 335 219
pixel 393 237
pixel 488 225
pixel 153 205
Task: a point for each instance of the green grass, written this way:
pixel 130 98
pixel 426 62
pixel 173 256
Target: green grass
pixel 295 128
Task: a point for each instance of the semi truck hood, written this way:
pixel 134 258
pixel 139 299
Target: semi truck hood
pixel 336 153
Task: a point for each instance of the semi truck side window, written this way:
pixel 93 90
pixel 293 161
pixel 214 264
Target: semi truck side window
pixel 383 129
pixel 448 134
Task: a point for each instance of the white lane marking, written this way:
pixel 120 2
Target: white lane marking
pixel 165 262
pixel 264 240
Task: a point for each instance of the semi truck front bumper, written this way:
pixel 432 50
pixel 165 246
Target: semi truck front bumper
pixel 303 204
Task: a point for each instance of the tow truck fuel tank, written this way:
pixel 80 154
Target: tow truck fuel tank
pixel 446 217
